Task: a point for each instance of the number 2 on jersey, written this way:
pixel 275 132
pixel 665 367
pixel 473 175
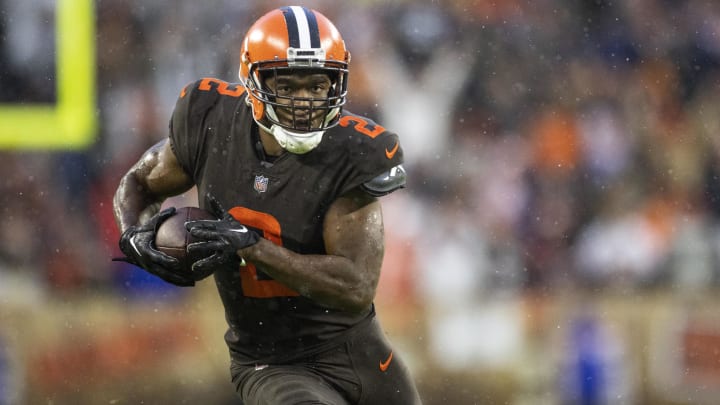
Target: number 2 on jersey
pixel 361 126
pixel 252 285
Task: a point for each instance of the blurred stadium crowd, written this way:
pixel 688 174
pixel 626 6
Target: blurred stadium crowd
pixel 551 146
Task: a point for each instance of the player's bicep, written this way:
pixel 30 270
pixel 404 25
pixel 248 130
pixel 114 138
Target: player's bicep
pixel 165 176
pixel 158 174
pixel 354 229
pixel 154 177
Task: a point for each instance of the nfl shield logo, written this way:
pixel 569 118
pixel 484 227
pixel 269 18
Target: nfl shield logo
pixel 261 183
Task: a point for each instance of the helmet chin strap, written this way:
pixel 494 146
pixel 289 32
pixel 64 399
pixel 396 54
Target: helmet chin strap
pixel 294 142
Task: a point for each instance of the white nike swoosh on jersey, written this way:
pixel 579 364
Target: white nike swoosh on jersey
pixel 243 230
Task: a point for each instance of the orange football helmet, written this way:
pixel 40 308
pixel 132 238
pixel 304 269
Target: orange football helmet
pixel 281 42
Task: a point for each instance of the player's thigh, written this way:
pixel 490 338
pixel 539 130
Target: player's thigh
pixel 283 385
pixel 384 377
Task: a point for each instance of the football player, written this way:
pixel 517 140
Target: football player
pixel 296 250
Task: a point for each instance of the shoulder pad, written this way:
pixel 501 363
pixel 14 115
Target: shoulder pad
pixel 202 94
pixel 387 182
pixel 217 87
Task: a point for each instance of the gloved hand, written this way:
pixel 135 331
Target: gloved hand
pixel 138 245
pixel 219 239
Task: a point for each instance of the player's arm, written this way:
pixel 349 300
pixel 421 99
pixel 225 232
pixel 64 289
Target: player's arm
pixel 345 278
pixel 155 177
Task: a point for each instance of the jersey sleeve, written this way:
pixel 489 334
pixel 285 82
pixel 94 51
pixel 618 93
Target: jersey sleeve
pixel 374 152
pixel 187 137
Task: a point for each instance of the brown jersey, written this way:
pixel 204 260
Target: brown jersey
pixel 211 132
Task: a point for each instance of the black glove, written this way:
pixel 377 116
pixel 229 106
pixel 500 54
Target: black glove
pixel 138 245
pixel 220 239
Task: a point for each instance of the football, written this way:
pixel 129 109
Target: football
pixel 172 238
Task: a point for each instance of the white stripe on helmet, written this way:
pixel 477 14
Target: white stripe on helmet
pixel 303 26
